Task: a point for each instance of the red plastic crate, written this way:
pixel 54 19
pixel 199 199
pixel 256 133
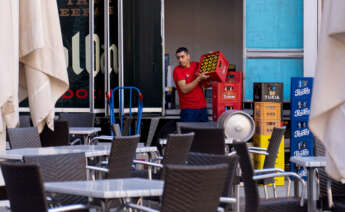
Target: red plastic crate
pixel 215 65
pixel 234 77
pixel 226 92
pixel 218 109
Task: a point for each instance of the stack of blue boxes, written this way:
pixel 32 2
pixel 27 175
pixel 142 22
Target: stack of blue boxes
pixel 301 138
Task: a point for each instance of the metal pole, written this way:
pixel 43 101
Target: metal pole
pixel 120 49
pixel 106 53
pixel 163 56
pixel 92 55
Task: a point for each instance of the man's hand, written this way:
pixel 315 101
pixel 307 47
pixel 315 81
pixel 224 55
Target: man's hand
pixel 187 87
pixel 203 76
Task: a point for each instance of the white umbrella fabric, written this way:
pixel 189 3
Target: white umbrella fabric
pixel 43 74
pixel 8 67
pixel 327 118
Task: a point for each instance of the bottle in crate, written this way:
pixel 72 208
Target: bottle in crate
pixel 220 108
pixel 215 65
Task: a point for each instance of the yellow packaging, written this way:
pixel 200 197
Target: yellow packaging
pixel 262 141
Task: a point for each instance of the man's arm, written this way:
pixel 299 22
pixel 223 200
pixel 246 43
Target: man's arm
pixel 188 87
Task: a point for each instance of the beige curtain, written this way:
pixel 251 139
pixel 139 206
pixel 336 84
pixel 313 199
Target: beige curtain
pixel 327 119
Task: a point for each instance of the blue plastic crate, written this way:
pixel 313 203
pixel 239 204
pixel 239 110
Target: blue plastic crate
pixel 300 109
pixel 299 129
pixel 304 148
pixel 301 87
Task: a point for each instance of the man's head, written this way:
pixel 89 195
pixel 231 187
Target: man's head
pixel 183 56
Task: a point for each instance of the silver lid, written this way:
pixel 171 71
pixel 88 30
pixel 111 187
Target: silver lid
pixel 237 125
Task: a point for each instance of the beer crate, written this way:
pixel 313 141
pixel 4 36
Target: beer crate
pixel 300 108
pixel 234 77
pixel 268 92
pixel 215 65
pixel 300 129
pixel 220 108
pixel 265 127
pixel 302 147
pixel 267 110
pixel 226 92
pixel 263 141
pixel 301 87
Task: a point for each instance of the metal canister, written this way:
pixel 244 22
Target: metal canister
pixel 237 125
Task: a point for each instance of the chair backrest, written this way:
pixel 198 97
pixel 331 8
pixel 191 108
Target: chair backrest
pixel 195 124
pixel 24 137
pixel 178 146
pixel 193 188
pixel 58 137
pixel 25 121
pixel 122 153
pixel 338 189
pixel 116 129
pixel 207 140
pixel 61 167
pixel 273 147
pixel 202 159
pixel 78 119
pixel 250 187
pixel 24 187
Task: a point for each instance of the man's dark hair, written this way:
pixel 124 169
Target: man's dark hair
pixel 182 49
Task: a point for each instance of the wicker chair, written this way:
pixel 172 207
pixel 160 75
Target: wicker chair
pixel 206 140
pixel 197 159
pixel 121 157
pixel 332 193
pixel 26 191
pixel 178 146
pixel 270 159
pixel 252 201
pixel 195 124
pixel 24 137
pixel 191 188
pixel 58 137
pixel 78 119
pixel 25 121
pixel 61 167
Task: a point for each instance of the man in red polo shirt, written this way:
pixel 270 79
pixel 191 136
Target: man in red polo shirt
pixel 192 99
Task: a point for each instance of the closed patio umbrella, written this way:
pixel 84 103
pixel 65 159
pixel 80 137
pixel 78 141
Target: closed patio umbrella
pixel 8 67
pixel 327 119
pixel 43 74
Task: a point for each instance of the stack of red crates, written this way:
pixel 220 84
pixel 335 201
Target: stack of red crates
pixel 227 95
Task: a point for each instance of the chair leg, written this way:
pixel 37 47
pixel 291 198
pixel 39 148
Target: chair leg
pixel 237 193
pixel 289 187
pixel 274 190
pixel 266 192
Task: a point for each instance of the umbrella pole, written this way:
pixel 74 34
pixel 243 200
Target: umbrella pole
pixel 106 53
pixel 92 53
pixel 120 50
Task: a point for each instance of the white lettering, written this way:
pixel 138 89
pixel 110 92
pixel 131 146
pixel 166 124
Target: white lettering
pixel 272 97
pixel 303 112
pixel 97 53
pixel 99 64
pixel 66 56
pixel 76 54
pixel 301 133
pixel 301 92
pixel 304 152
